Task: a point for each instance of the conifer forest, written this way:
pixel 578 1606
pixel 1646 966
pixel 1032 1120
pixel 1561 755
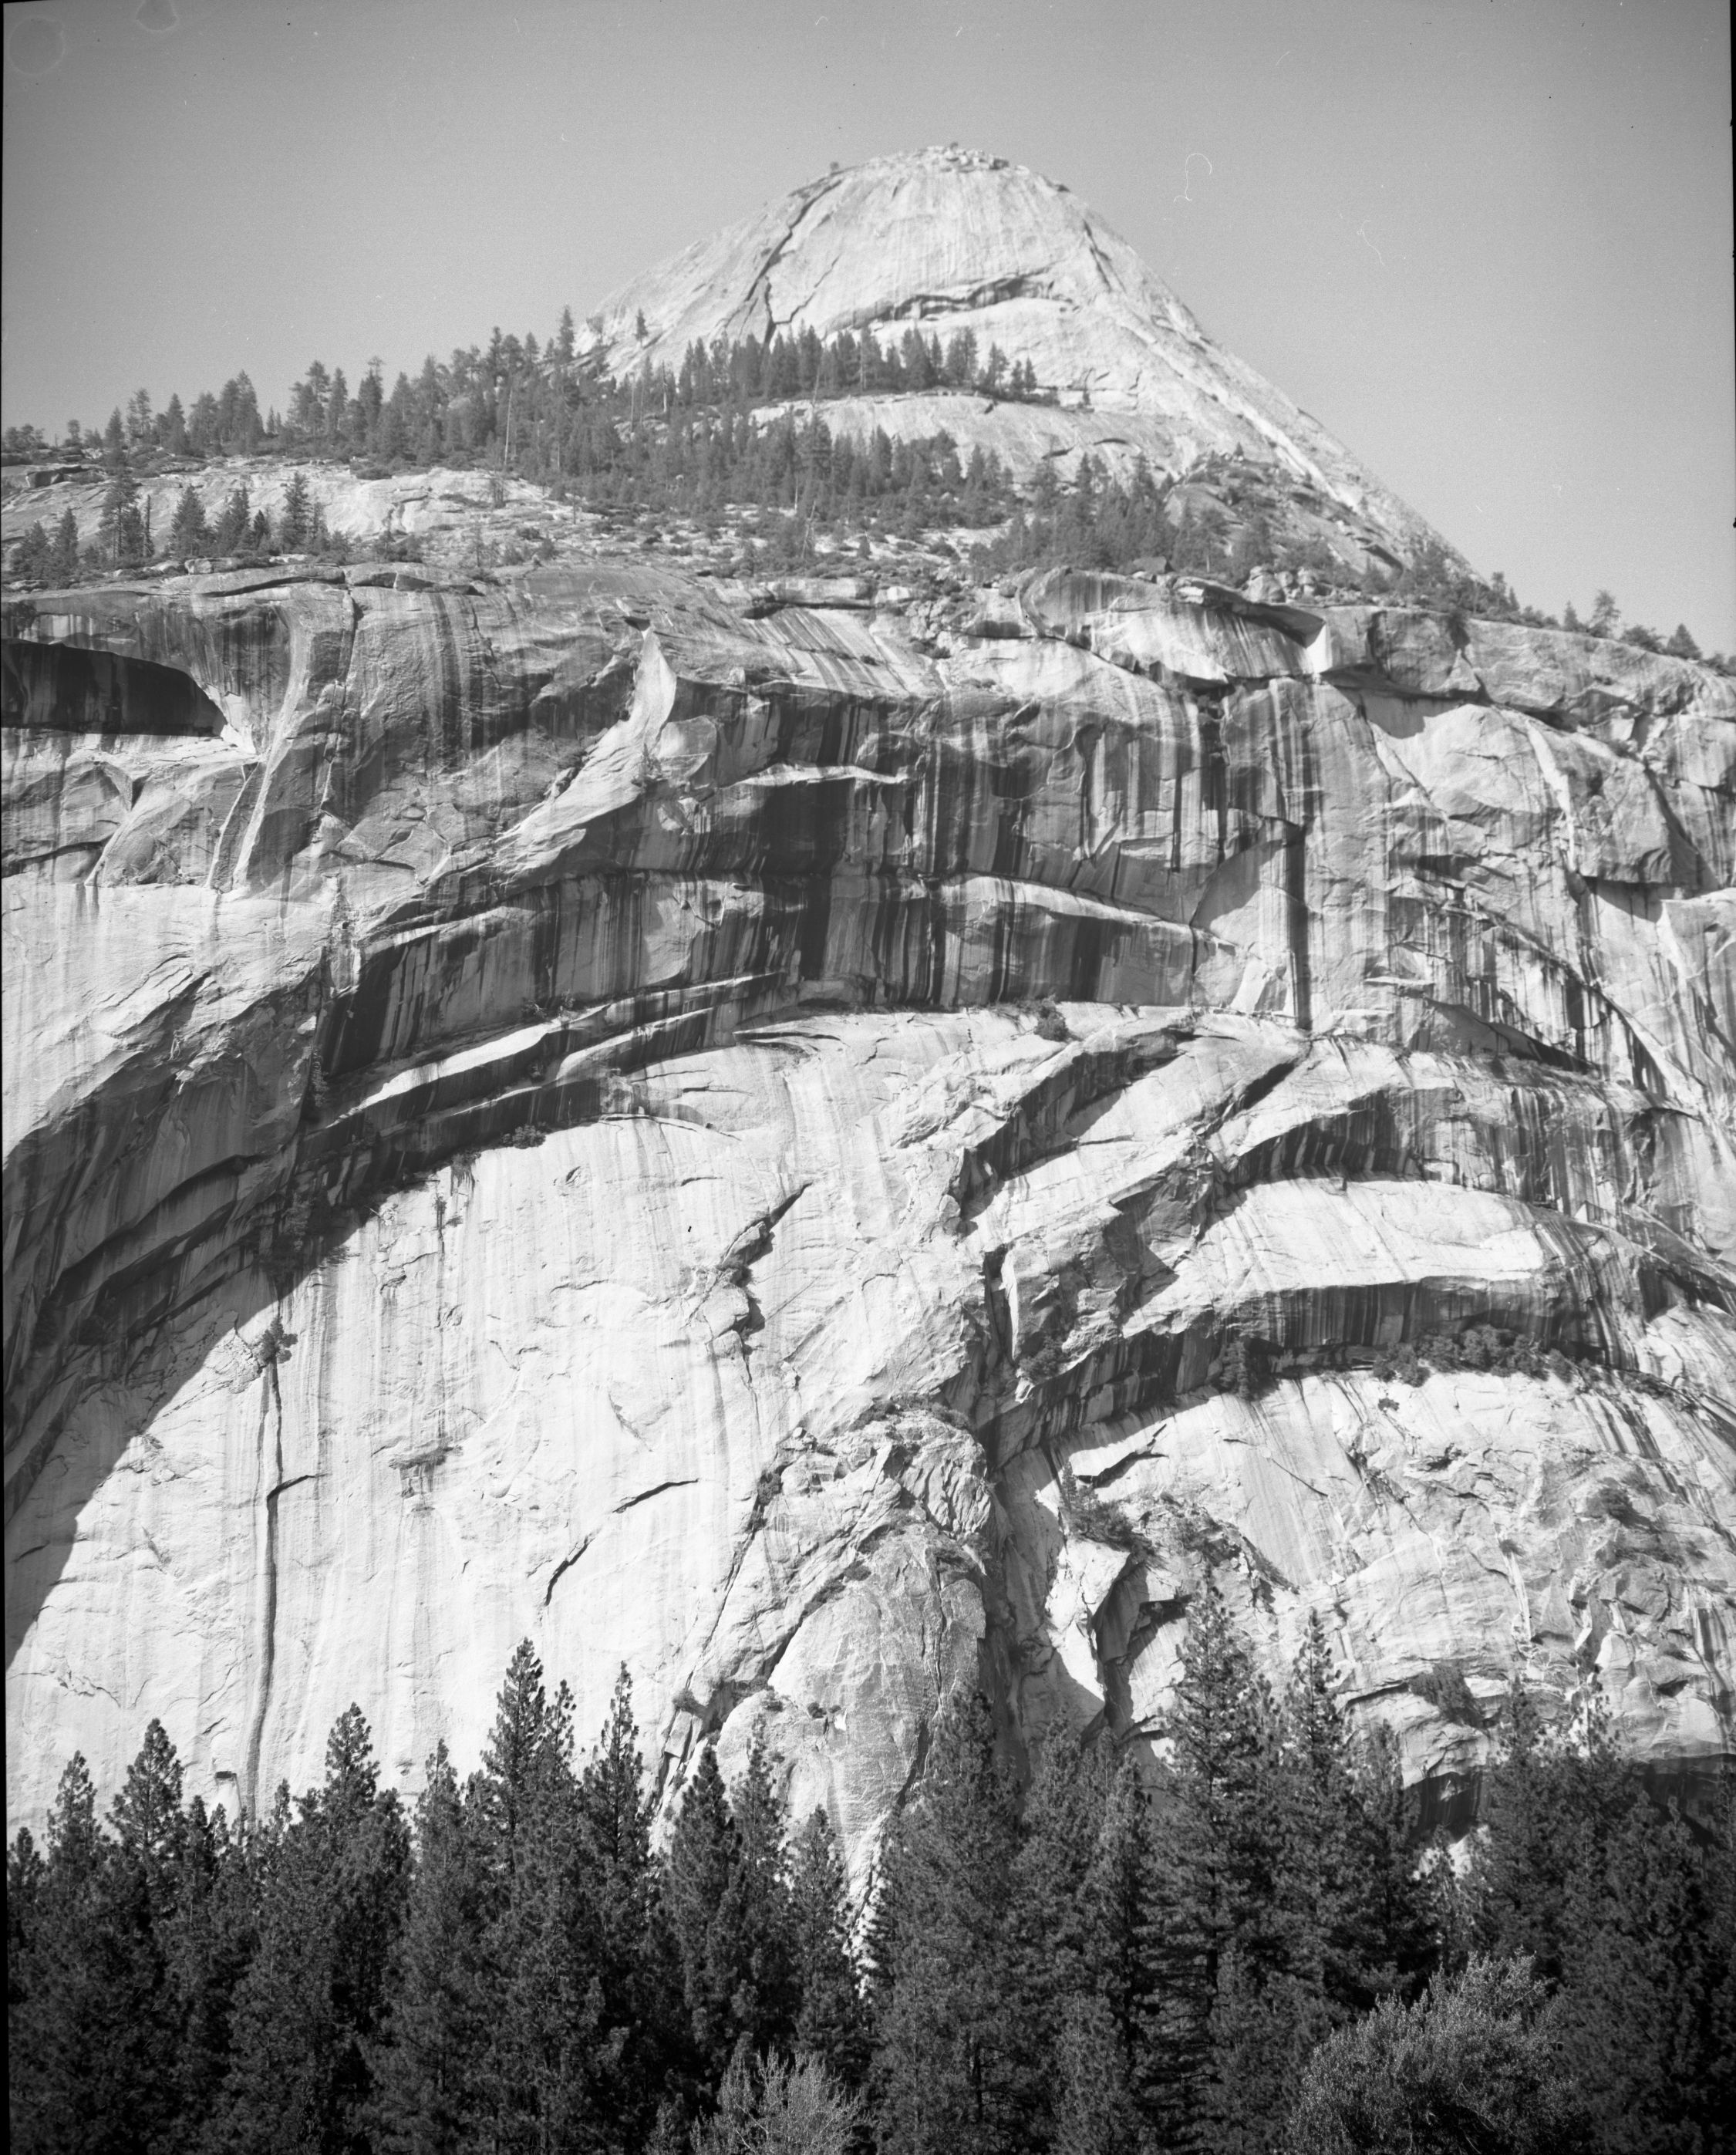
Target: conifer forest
pixel 738 428
pixel 1244 1946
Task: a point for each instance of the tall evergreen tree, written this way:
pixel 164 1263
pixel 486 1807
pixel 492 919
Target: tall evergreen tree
pixel 1053 1952
pixel 1356 1920
pixel 1214 1940
pixel 429 2070
pixel 521 1806
pixel 832 2024
pixel 1648 2000
pixel 622 1975
pixel 702 1856
pixel 313 2003
pixel 754 1922
pixel 1550 1807
pixel 1104 2094
pixel 946 2071
pixel 208 1939
pixel 70 2063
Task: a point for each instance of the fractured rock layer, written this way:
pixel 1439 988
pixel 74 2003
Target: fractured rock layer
pixel 820 1156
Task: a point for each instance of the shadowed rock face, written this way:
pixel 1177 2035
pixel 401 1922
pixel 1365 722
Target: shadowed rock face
pixel 817 1153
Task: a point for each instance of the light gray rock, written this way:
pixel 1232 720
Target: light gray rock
pixel 697 1132
pixel 950 239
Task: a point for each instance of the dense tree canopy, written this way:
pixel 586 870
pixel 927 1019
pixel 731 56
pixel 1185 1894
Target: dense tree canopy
pixel 1227 1946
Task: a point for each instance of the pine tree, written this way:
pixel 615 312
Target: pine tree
pixel 71 2064
pixel 623 1972
pixel 1550 1808
pixel 945 2069
pixel 234 524
pixel 1214 1939
pixel 119 504
pixel 1052 1950
pixel 428 2069
pixel 1648 2003
pixel 520 1807
pixel 832 2024
pixel 1681 644
pixel 63 565
pixel 313 2002
pixel 704 1851
pixel 1355 1925
pixel 30 556
pixel 141 1883
pixel 208 1938
pixel 1104 2094
pixel 296 520
pixel 189 534
pixel 526 1764
pixel 755 1918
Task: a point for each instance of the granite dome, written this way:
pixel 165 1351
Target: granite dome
pixel 952 238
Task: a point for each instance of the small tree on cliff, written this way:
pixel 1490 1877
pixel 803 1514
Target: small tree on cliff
pixel 62 566
pixel 296 522
pixel 189 534
pixel 30 556
pixel 234 525
pixel 121 528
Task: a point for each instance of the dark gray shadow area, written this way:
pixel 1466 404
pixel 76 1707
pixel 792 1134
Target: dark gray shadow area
pixel 60 687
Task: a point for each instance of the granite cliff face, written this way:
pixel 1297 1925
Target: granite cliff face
pixel 826 1141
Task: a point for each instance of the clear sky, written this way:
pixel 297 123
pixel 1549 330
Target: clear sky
pixel 1486 241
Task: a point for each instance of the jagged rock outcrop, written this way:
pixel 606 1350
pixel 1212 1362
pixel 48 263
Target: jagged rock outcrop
pixel 812 1150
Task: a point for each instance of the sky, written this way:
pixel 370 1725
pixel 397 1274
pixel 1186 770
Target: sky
pixel 1487 243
